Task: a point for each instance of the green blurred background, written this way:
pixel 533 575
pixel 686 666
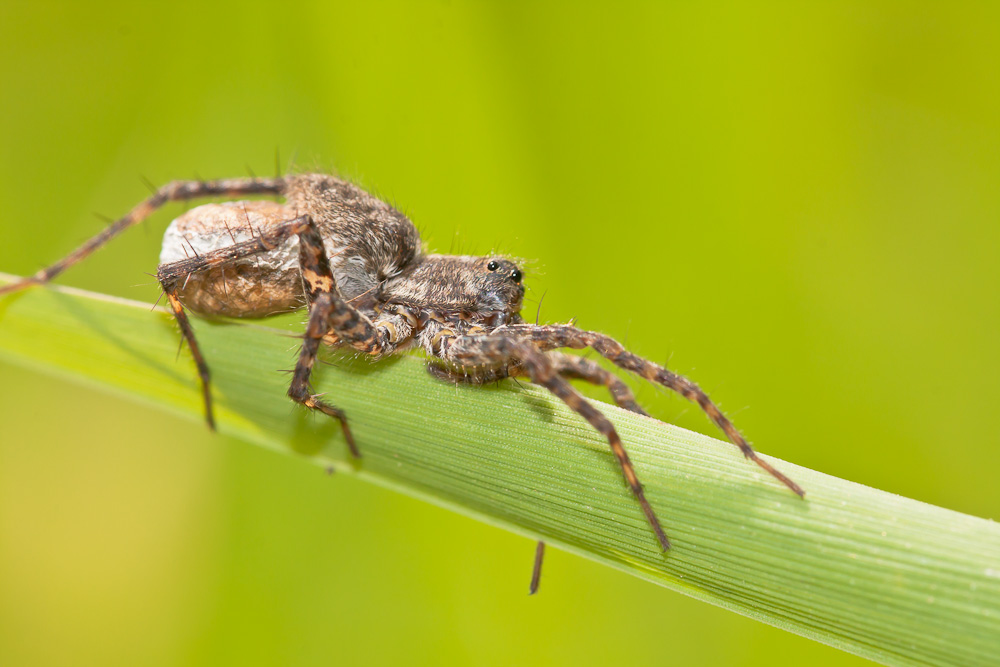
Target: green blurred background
pixel 795 204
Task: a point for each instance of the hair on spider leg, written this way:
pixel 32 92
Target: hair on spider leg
pixel 229 230
pixel 357 267
pixel 740 411
pixel 146 273
pixel 191 246
pixel 329 362
pixel 157 302
pixel 538 312
pixel 293 158
pixel 180 346
pixel 148 183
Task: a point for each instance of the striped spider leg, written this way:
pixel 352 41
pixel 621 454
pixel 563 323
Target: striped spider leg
pixel 568 366
pixel 173 191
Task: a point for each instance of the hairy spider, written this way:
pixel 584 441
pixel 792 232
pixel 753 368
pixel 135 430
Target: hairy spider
pixel 358 266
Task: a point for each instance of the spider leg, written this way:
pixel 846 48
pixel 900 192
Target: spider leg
pixel 572 366
pixel 319 314
pixel 461 375
pixel 493 350
pixel 536 570
pixel 328 311
pixel 188 333
pixel 567 365
pixel 554 336
pixel 174 191
pixel 172 276
pixel 580 368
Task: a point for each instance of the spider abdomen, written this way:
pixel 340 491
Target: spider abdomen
pixel 253 287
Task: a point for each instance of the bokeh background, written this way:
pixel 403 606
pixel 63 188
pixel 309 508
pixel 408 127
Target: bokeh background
pixel 795 204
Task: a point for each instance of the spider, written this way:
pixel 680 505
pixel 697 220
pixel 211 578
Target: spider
pixel 357 264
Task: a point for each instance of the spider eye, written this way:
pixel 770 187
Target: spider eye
pixel 515 275
pixel 493 266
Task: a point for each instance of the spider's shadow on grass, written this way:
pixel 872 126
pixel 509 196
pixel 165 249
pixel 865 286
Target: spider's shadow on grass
pixel 71 307
pixel 539 403
pixel 308 433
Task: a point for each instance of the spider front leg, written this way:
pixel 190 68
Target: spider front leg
pixel 499 349
pixel 567 365
pixel 572 366
pixel 549 337
pixel 580 368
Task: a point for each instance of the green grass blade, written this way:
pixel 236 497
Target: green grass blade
pixel 875 574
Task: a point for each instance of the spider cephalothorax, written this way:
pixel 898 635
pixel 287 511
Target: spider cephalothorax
pixel 444 296
pixel 357 265
pixel 460 284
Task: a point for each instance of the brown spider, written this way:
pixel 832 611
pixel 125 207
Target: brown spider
pixel 358 265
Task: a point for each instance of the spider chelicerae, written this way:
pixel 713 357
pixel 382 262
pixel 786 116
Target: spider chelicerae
pixel 358 266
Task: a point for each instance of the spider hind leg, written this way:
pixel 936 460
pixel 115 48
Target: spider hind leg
pixel 328 311
pixel 174 276
pixel 174 191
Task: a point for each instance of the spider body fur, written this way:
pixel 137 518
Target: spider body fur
pixel 358 266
